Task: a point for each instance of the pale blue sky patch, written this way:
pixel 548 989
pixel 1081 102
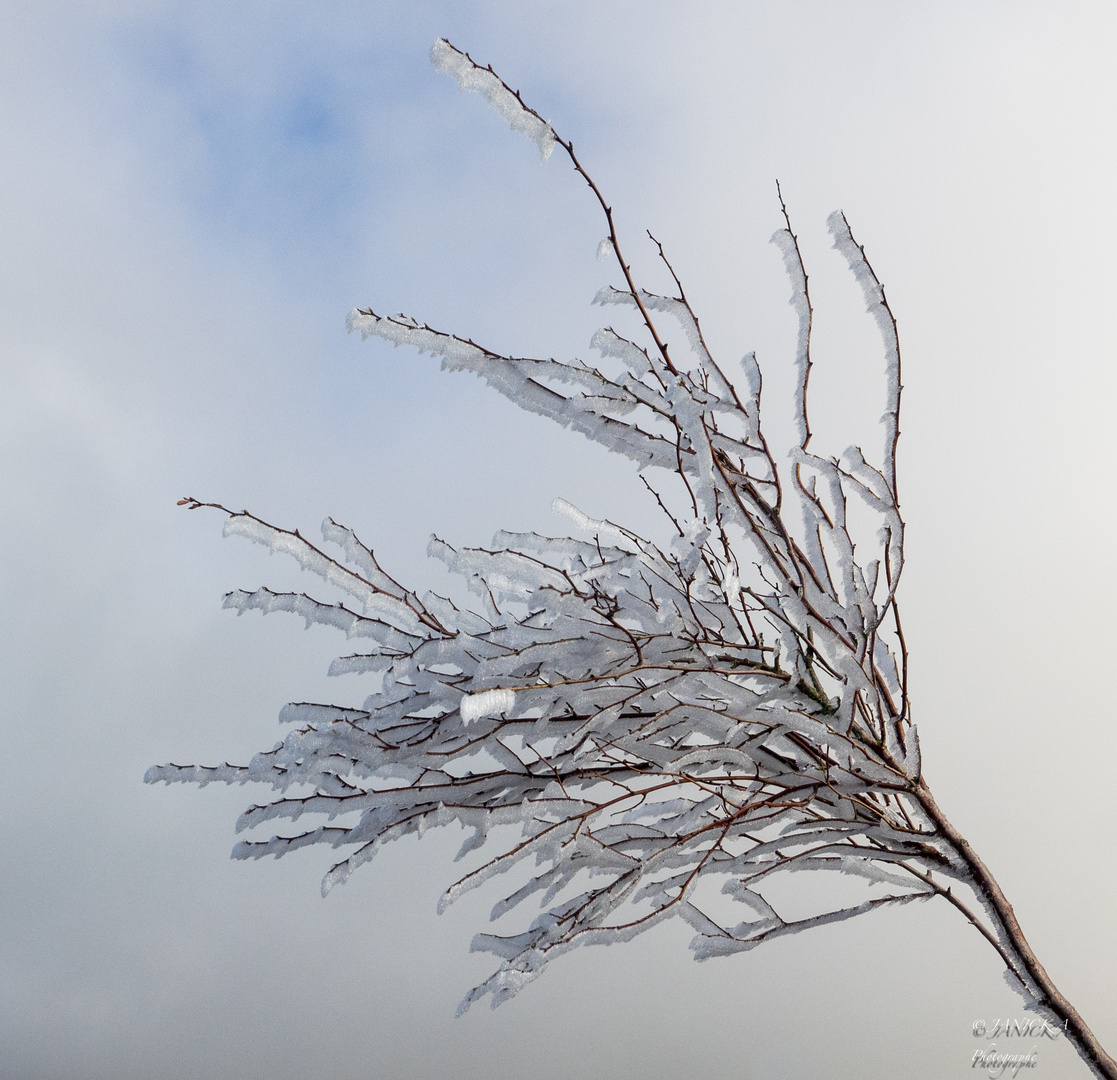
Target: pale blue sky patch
pixel 269 148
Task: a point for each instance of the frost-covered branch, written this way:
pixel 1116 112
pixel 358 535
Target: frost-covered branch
pixel 669 726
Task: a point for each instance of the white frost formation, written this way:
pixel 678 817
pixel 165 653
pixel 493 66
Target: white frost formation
pixel 486 703
pixel 471 76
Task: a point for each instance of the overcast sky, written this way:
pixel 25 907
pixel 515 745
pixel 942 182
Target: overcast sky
pixel 193 195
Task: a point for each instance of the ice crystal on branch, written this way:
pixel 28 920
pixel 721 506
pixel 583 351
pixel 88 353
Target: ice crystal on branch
pixel 668 725
pixel 507 102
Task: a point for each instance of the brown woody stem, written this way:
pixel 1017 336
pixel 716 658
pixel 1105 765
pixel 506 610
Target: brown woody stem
pixel 1083 1039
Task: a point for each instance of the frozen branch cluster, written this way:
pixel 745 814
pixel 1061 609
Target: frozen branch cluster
pixel 652 719
pixel 665 726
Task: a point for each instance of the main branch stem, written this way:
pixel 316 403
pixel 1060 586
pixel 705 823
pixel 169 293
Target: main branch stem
pixel 1083 1039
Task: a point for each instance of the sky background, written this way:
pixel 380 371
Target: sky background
pixel 193 195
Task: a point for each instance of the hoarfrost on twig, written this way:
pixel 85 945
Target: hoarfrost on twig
pixel 471 76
